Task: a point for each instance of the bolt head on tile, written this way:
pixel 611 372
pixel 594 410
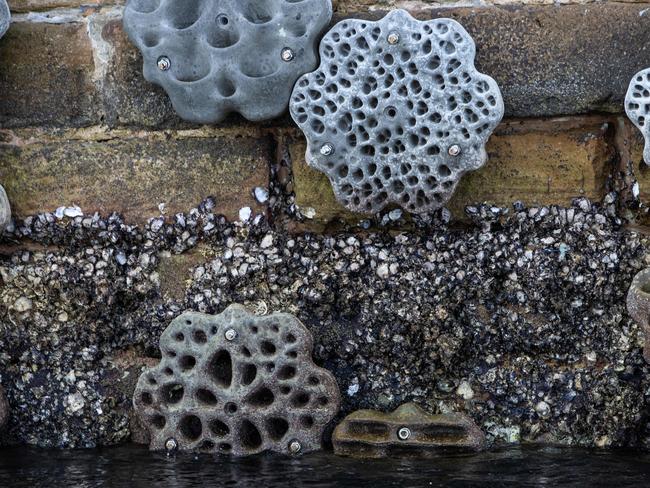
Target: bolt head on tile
pixel 404 433
pixel 164 63
pixel 327 149
pixel 171 444
pixel 294 447
pixel 287 55
pixel 393 38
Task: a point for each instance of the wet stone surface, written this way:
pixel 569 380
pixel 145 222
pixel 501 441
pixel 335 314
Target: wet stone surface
pixel 236 384
pixel 408 431
pixel 4 408
pixel 518 321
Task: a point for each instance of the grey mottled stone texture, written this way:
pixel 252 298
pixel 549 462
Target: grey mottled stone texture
pixel 255 391
pixel 382 118
pixel 637 106
pixel 5 17
pixel 226 56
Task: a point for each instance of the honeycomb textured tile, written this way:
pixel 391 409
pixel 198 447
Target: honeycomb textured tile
pixel 5 210
pixel 5 17
pixel 237 384
pixel 408 431
pixel 220 56
pixel 638 306
pixel 4 408
pixel 637 106
pixel 396 111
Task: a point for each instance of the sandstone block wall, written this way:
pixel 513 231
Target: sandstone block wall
pixel 79 125
pixel 518 320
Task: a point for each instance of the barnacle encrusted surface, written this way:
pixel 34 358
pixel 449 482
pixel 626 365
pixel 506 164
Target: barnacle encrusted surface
pixel 637 106
pixel 5 17
pixel 408 431
pixel 236 384
pixel 389 103
pixel 226 55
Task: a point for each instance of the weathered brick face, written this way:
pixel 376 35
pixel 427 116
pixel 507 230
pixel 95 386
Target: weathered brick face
pixel 70 66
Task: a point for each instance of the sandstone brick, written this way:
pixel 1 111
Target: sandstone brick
pixel 46 73
pixel 640 171
pixel 129 98
pixel 537 162
pixel 549 60
pixel 131 172
pixel 20 6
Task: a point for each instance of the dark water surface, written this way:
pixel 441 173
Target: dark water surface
pixel 134 466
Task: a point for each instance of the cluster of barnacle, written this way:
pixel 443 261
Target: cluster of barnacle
pixel 395 113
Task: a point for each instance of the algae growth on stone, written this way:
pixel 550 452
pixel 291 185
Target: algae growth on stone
pixel 236 384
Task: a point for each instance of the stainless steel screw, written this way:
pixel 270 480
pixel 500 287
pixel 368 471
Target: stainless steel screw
pixel 294 447
pixel 404 433
pixel 454 150
pixel 287 54
pixel 393 38
pixel 171 444
pixel 231 334
pixel 164 63
pixel 327 149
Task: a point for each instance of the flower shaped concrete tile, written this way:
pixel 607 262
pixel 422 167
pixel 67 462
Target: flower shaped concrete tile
pixel 5 17
pixel 214 57
pixel 396 112
pixel 236 384
pixel 637 106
